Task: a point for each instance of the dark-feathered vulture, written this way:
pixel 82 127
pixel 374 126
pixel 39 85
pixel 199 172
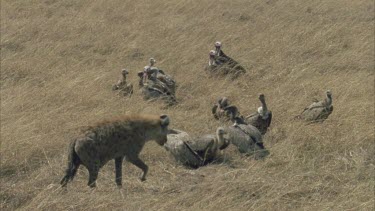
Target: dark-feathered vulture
pixel 222 110
pixel 194 151
pixel 262 118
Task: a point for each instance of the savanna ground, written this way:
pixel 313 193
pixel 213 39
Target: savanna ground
pixel 60 58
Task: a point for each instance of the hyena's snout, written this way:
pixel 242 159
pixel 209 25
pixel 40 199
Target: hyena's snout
pixel 162 141
pixel 164 122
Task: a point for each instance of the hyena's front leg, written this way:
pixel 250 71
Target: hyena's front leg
pixel 118 165
pixel 140 164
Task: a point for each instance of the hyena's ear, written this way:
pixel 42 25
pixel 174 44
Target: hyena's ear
pixel 164 120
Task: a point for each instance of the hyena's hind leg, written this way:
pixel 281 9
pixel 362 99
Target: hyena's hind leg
pixel 93 175
pixel 140 164
pixel 76 163
pixel 118 165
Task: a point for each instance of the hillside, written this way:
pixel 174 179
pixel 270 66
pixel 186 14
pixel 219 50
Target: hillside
pixel 59 60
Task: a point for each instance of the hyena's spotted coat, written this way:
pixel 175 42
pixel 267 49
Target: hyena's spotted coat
pixel 115 139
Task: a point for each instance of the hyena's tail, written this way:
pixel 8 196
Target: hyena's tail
pixel 73 165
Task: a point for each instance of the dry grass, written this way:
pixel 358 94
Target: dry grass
pixel 60 58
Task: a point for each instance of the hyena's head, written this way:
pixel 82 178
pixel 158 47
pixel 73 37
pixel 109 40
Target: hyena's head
pixel 160 131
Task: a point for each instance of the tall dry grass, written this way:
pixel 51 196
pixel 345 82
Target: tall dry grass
pixel 60 58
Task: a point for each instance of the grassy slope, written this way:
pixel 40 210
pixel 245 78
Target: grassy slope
pixel 60 58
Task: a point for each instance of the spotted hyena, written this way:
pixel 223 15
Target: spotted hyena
pixel 114 139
